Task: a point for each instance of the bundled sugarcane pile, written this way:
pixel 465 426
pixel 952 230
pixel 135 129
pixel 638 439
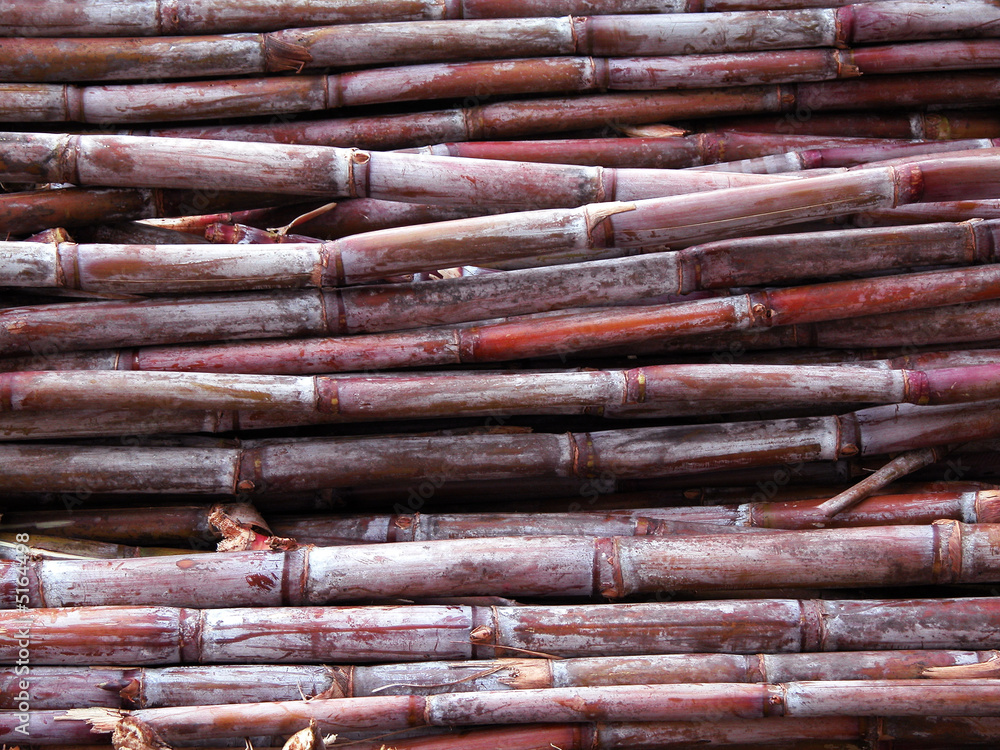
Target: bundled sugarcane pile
pixel 438 374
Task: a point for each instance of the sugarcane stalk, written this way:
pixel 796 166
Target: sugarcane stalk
pixel 946 125
pixel 624 703
pixel 944 552
pixel 922 508
pixel 828 733
pixel 171 526
pixel 975 506
pixel 554 334
pixel 822 733
pixel 481 394
pixel 654 221
pixel 50 236
pixel 145 687
pixel 921 213
pixel 335 172
pixel 342 462
pixel 848 156
pixel 144 18
pixel 242 97
pixel 532 117
pixel 229 97
pixel 321 635
pixel 21 426
pixel 361 44
pixel 242 234
pixel 36 210
pixel 899 466
pixel 60 548
pixel 971 323
pixel 357 215
pixel 329 531
pixel 198 225
pixel 696 150
pixel 720 265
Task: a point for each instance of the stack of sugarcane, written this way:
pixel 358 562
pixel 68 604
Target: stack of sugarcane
pixel 439 374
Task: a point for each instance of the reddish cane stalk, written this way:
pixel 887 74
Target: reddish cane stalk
pixel 138 18
pixel 971 507
pixel 899 466
pixel 720 265
pixel 480 394
pixel 242 97
pixel 32 211
pixel 557 334
pixel 321 635
pixel 336 172
pixel 947 125
pixel 944 552
pixel 59 548
pixel 823 733
pixel 654 34
pixel 623 703
pixel 700 149
pixel 72 687
pixel 343 462
pixel 532 117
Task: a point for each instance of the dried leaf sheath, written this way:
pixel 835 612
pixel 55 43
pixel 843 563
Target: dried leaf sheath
pixel 322 635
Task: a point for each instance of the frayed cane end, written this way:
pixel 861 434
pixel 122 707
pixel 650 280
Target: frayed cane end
pixel 242 528
pixel 980 670
pixel 100 719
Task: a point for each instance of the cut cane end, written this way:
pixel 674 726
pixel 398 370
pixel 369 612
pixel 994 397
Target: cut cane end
pixel 282 57
pixel 132 734
pixel 988 506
